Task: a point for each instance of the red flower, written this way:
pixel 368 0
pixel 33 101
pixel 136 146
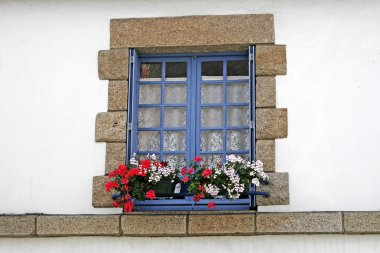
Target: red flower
pixel 197 197
pixel 115 204
pixel 151 194
pixel 183 171
pixel 200 187
pixel 111 184
pixel 128 206
pixel 145 164
pixel 197 159
pixel 206 173
pixel 122 169
pixel 125 181
pixel 211 204
pixel 185 179
pixel 134 171
pixel 164 163
pixel 190 171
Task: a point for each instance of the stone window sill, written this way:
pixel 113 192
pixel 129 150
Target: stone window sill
pixel 190 224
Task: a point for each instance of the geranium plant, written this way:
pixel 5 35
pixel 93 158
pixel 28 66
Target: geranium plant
pixel 231 179
pixel 137 179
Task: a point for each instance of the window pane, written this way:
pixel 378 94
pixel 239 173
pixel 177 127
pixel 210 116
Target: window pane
pixel 212 93
pixel 174 140
pixel 148 140
pixel 212 70
pixel 149 117
pixel 175 94
pixel 150 71
pixel 175 117
pixel 176 71
pixel 237 140
pixel 212 160
pixel 175 161
pixel 212 117
pixel 150 94
pixel 237 93
pixel 237 115
pixel 211 140
pixel 237 70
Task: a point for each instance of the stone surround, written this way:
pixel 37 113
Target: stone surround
pixel 200 223
pixel 194 34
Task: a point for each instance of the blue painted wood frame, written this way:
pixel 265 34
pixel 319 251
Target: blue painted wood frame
pixel 193 128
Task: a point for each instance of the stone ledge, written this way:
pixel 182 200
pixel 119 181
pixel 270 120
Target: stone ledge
pixel 270 60
pixel 299 223
pixel 17 225
pixel 78 225
pixel 111 127
pixel 362 222
pixel 192 31
pixel 191 223
pixel 153 225
pixel 113 64
pixel 215 224
pixel 271 123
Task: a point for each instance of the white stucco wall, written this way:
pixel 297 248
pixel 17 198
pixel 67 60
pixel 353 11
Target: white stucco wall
pixel 50 94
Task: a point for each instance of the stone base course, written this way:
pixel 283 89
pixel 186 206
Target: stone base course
pixel 193 223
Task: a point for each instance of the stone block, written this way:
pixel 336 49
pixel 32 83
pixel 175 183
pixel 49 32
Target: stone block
pixel 278 189
pixel 214 224
pixel 265 151
pixel 100 197
pixel 153 225
pixel 17 226
pixel 299 223
pixel 117 95
pixel 270 60
pixel 265 91
pixel 271 123
pixel 192 31
pixel 111 127
pixel 78 225
pixel 115 155
pixel 113 64
pixel 362 222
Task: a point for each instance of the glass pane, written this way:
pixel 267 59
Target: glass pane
pixel 148 140
pixel 211 140
pixel 212 70
pixel 237 115
pixel 237 93
pixel 237 70
pixel 175 94
pixel 176 71
pixel 150 94
pixel 237 140
pixel 212 160
pixel 149 117
pixel 174 140
pixel 150 71
pixel 175 117
pixel 212 93
pixel 175 161
pixel 212 117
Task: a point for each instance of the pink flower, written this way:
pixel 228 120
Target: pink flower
pixel 197 159
pixel 183 171
pixel 185 179
pixel 206 173
pixel 211 204
pixel 128 206
pixel 190 171
pixel 197 197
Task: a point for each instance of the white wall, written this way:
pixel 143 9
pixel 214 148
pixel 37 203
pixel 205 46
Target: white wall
pixel 50 94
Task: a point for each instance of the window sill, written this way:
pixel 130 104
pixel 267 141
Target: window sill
pixel 180 224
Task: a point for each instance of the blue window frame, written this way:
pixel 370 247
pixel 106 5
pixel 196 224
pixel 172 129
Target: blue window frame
pixel 187 105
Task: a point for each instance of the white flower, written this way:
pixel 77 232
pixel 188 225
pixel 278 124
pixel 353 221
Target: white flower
pixel 211 189
pixel 256 182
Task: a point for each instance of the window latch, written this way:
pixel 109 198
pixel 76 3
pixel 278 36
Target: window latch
pixel 129 127
pixel 252 125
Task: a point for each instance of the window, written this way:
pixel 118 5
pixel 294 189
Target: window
pixel 183 106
